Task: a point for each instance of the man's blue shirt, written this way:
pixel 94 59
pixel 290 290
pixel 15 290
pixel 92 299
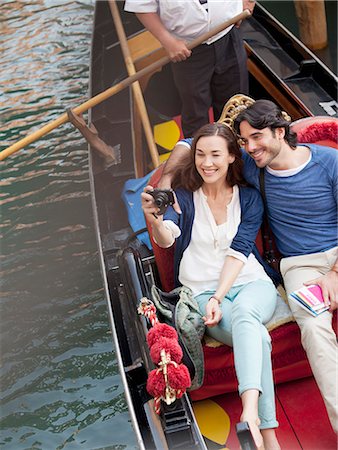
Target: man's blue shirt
pixel 302 208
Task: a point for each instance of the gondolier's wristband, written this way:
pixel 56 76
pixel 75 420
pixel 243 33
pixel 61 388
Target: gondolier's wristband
pixel 219 301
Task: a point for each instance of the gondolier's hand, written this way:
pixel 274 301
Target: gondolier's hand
pixel 213 313
pixel 329 287
pixel 247 4
pixel 176 49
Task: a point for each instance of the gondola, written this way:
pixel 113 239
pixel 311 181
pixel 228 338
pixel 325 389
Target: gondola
pixel 281 68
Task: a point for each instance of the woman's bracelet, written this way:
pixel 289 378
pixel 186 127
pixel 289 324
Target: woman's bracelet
pixel 219 301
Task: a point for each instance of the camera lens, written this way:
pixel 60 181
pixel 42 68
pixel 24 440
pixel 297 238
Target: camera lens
pixel 162 199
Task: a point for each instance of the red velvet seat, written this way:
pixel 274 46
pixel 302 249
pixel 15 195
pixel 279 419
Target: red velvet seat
pixel 318 130
pixel 289 360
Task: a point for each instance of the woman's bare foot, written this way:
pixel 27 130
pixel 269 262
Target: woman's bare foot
pixel 250 414
pixel 270 439
pixel 255 431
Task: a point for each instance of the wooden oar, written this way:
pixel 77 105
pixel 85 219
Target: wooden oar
pixel 115 89
pixel 138 96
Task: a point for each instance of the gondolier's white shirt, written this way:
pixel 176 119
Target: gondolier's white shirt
pixel 188 19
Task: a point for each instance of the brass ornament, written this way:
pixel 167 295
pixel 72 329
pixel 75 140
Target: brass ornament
pixel 286 116
pixel 233 107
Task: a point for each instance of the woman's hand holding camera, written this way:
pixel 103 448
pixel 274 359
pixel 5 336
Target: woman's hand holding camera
pixel 153 213
pixel 149 206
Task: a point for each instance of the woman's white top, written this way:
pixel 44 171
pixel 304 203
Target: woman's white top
pixel 203 259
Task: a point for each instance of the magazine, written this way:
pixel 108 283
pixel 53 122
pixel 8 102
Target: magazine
pixel 311 299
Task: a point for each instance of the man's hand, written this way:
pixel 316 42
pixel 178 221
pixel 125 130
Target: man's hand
pixel 176 49
pixel 213 313
pixel 329 286
pixel 178 154
pixel 247 4
pixel 176 205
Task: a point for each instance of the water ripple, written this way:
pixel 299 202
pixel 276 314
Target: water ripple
pixel 60 384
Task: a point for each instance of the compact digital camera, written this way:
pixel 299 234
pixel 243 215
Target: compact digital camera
pixel 163 198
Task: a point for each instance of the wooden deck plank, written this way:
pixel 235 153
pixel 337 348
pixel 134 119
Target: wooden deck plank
pixel 303 405
pixel 298 403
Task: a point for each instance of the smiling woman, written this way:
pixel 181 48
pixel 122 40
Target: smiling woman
pixel 60 385
pixel 212 158
pixel 215 235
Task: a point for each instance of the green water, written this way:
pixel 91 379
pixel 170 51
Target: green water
pixel 285 11
pixel 60 387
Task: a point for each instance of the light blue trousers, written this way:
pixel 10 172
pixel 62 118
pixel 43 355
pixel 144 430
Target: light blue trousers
pixel 245 309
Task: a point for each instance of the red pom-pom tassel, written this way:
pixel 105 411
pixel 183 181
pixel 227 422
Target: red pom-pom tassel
pixel 171 379
pixel 178 377
pixel 156 383
pixel 169 346
pixel 161 330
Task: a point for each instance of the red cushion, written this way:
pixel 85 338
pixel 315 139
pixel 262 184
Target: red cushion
pixel 288 360
pixel 317 130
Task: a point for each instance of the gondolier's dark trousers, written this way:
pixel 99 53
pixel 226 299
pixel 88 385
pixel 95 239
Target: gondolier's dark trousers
pixel 209 77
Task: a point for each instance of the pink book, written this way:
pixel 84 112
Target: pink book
pixel 311 299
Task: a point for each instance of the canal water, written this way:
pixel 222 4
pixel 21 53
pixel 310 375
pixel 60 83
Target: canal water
pixel 60 387
pixel 285 11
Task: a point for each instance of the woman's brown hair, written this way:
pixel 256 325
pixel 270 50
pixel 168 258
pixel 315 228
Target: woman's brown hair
pixel 186 175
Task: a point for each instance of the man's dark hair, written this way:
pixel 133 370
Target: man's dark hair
pixel 266 114
pixel 186 175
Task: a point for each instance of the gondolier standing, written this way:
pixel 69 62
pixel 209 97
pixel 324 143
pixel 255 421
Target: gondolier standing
pixel 211 73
